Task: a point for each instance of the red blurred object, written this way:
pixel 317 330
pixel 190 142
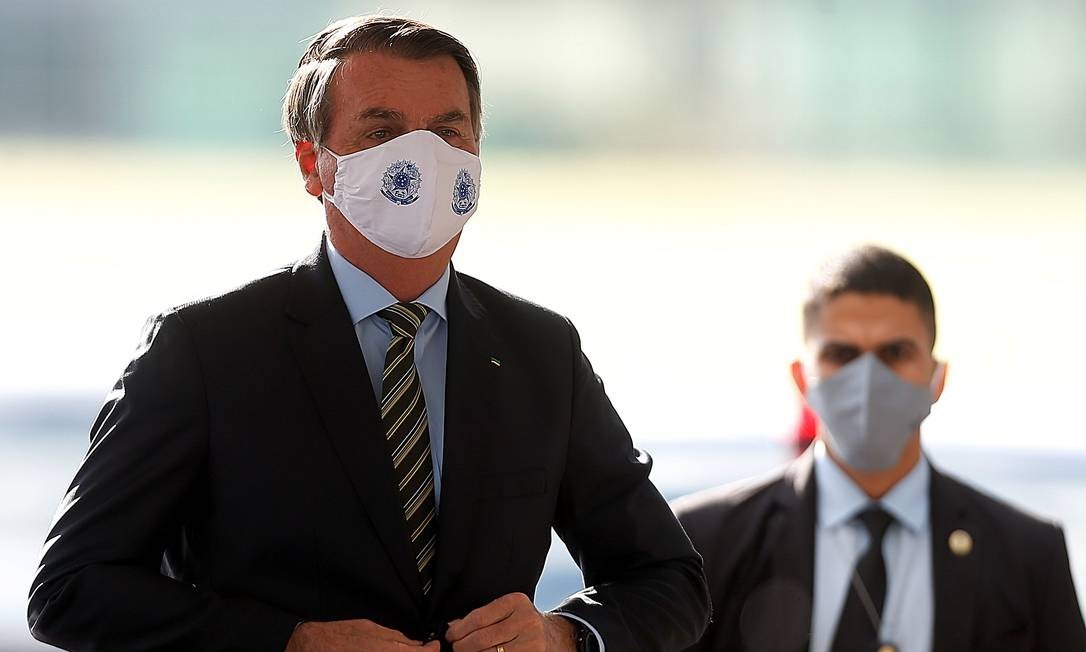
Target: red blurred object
pixel 806 428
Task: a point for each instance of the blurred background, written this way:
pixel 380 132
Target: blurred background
pixel 639 155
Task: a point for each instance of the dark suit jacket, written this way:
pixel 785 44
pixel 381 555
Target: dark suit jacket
pixel 237 483
pixel 1012 592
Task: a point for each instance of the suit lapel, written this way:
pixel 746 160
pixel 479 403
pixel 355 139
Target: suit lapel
pixel 797 496
pixel 793 549
pixel 327 350
pixel 954 575
pixel 780 573
pixel 471 376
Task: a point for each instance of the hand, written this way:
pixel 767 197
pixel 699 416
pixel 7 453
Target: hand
pixel 353 636
pixel 513 622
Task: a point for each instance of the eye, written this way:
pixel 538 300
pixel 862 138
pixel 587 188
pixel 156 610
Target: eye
pixel 839 355
pixel 448 132
pixel 379 134
pixel 843 356
pixel 893 353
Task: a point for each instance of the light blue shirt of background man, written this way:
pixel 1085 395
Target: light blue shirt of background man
pixel 840 540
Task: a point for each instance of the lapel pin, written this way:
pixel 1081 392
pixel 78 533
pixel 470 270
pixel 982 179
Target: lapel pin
pixel 885 647
pixel 961 544
pixel 496 362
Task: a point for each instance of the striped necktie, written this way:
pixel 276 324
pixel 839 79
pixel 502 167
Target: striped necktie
pixel 407 434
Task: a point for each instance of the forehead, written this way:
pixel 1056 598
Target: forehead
pixel 429 86
pixel 868 320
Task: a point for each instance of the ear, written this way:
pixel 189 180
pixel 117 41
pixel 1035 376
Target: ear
pixel 799 377
pixel 938 381
pixel 306 155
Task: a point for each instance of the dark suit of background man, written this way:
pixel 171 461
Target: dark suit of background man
pixel 366 450
pixel 861 544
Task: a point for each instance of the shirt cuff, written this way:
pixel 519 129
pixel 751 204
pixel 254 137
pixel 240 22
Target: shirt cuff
pixel 599 639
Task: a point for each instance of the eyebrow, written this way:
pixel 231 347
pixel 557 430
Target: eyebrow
pixel 379 113
pixel 835 345
pixel 899 341
pixel 904 342
pixel 456 115
pixel 384 113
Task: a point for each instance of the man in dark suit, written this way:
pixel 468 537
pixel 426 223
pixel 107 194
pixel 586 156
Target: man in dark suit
pixel 861 544
pixel 366 450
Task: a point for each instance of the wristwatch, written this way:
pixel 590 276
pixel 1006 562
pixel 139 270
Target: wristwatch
pixel 586 640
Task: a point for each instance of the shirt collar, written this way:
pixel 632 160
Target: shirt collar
pixel 366 297
pixel 839 499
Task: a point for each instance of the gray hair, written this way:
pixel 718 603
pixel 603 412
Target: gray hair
pixel 305 108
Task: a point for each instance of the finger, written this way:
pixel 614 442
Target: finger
pixel 370 629
pixel 382 645
pixel 485 616
pixel 392 636
pixel 488 638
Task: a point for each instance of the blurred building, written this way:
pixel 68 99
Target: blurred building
pixel 998 80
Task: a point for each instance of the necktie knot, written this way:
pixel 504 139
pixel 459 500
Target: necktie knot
pixel 877 521
pixel 404 318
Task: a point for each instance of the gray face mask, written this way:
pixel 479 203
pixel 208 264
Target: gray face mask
pixel 869 412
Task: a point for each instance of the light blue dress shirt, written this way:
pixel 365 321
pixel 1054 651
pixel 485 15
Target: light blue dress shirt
pixel 366 297
pixel 909 613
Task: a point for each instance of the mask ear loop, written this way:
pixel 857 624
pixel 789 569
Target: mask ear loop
pixel 335 157
pixel 938 375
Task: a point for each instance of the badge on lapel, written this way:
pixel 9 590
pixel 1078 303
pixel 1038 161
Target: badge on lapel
pixel 960 542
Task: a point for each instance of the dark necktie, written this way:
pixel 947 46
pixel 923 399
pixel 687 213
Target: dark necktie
pixel 858 627
pixel 407 433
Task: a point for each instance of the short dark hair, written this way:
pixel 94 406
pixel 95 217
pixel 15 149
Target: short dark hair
pixel 305 109
pixel 869 270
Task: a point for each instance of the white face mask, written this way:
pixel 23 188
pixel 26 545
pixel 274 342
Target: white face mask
pixel 409 196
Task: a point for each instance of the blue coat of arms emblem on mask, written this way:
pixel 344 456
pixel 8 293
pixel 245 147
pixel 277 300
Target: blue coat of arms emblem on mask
pixel 464 193
pixel 401 182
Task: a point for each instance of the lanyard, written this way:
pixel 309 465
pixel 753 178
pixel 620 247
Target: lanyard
pixel 865 596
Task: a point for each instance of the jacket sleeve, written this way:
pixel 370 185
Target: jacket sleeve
pixel 694 522
pixel 645 584
pixel 1058 612
pixel 99 585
